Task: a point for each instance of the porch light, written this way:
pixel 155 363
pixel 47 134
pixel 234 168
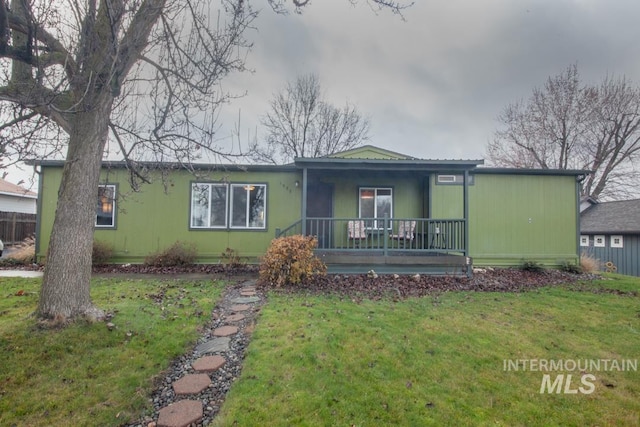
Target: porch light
pixel 249 187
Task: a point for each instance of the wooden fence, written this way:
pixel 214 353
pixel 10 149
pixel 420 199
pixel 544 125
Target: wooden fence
pixel 15 227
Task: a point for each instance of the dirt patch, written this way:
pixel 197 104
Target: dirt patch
pixel 365 286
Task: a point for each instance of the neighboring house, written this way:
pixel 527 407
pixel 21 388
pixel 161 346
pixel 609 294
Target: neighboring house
pixel 17 212
pixel 610 232
pixel 412 214
pixel 14 198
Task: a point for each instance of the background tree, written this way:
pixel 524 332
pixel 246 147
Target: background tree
pixel 571 125
pixel 139 78
pixel 301 124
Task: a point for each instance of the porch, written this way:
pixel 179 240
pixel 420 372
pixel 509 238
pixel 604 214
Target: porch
pixel 388 245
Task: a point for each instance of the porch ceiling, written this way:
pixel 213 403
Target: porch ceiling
pixel 387 164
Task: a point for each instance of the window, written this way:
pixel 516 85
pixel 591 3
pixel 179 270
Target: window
pixel 584 240
pixel 209 205
pixel 451 179
pixel 215 205
pixel 248 205
pixel 617 242
pixel 376 203
pixel 106 206
pixel 598 241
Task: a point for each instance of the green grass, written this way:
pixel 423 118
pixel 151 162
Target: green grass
pixel 324 361
pixel 86 374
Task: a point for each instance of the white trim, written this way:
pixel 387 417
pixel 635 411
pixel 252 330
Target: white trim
pixel 617 241
pixel 599 241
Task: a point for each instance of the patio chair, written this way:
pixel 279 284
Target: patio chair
pixel 406 232
pixel 357 232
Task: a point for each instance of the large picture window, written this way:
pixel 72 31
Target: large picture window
pixel 375 203
pixel 216 205
pixel 106 207
pixel 248 205
pixel 209 205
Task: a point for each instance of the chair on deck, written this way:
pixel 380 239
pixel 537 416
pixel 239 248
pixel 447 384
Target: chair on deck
pixel 406 232
pixel 357 232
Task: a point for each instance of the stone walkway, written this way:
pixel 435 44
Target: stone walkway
pixel 193 391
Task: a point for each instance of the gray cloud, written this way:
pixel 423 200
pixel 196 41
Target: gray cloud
pixel 433 85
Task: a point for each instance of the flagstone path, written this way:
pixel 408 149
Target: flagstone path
pixel 193 391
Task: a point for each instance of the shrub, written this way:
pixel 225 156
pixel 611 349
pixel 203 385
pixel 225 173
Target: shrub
pixel 532 266
pixel 180 253
pixel 102 252
pixel 570 267
pixel 24 253
pixel 290 260
pixel 589 264
pixel 231 259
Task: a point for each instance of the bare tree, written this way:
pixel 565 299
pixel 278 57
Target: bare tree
pixel 139 78
pixel 301 124
pixel 570 125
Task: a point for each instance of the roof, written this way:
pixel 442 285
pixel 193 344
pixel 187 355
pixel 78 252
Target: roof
pixel 524 171
pixel 10 189
pixel 169 165
pixel 612 217
pixel 369 157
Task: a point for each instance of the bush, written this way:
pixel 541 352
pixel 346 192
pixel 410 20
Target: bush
pixel 231 259
pixel 532 266
pixel 24 253
pixel 290 260
pixel 102 252
pixel 570 267
pixel 589 264
pixel 178 254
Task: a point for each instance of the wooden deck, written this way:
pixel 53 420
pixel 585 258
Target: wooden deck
pixel 396 262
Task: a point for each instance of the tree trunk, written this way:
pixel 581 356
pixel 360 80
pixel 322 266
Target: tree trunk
pixel 66 283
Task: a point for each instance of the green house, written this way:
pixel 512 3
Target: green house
pixel 369 208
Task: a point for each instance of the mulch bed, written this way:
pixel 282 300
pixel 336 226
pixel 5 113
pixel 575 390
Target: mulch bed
pixel 365 286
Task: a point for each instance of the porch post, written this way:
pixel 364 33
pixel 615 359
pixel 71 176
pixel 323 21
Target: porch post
pixel 466 211
pixel 304 202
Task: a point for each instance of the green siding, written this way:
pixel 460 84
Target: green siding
pixel 407 192
pixel 516 217
pixel 446 201
pixel 153 219
pixel 512 217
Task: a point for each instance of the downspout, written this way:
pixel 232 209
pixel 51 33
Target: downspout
pixel 304 202
pixel 465 196
pixel 579 180
pixel 38 210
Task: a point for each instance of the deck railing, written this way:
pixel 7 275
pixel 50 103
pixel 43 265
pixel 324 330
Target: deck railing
pixel 385 234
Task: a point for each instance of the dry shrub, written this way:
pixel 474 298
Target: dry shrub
pixel 589 264
pixel 178 254
pixel 290 260
pixel 24 253
pixel 102 252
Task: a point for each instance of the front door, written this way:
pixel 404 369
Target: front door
pixel 320 205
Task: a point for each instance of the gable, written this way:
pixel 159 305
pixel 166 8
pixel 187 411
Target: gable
pixel 370 152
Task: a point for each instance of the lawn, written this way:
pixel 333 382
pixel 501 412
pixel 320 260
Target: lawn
pixel 89 374
pixel 440 360
pixel 328 360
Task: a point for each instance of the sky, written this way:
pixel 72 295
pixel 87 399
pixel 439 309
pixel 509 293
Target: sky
pixel 431 85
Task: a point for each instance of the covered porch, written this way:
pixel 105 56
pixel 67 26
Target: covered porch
pixel 398 245
pixel 380 210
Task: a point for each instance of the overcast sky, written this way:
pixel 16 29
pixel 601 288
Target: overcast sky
pixel 433 85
